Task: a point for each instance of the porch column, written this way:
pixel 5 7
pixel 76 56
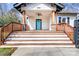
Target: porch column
pixel 56 20
pixel 24 20
pixel 53 26
pixel 53 17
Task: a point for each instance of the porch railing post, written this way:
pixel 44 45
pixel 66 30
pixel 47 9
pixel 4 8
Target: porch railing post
pixel 0 36
pixel 64 27
pixel 12 26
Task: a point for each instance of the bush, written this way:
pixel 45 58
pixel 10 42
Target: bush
pixel 8 18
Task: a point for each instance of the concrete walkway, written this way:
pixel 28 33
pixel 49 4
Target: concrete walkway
pixel 46 51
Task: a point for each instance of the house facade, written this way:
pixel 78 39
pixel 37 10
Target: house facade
pixel 45 16
pixel 41 24
pixel 40 16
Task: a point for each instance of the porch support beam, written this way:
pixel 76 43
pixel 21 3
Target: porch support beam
pixel 24 20
pixel 53 25
pixel 56 20
pixel 24 17
pixel 53 17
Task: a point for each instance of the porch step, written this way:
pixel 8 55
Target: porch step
pixel 38 39
pixel 38 36
pixel 38 42
pixel 37 31
pixel 44 43
pixel 40 33
pixel 13 45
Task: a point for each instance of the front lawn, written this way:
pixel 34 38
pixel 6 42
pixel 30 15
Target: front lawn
pixel 6 51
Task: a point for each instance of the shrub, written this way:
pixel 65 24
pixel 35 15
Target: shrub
pixel 9 17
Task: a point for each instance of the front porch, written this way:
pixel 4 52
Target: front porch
pixel 38 26
pixel 39 20
pixel 13 36
pixel 39 16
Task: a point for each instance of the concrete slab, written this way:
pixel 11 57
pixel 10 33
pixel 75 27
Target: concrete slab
pixel 46 51
pixel 70 51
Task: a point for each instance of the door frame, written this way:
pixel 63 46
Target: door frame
pixel 40 24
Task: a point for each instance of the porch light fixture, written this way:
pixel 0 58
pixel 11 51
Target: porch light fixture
pixel 39 14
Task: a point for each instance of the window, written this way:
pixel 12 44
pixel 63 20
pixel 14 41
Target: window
pixel 64 20
pixel 59 20
pixel 68 20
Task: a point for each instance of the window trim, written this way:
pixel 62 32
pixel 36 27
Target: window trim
pixel 58 19
pixel 66 21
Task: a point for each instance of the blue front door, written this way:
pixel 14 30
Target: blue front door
pixel 38 24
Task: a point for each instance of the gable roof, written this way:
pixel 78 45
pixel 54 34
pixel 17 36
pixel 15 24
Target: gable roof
pixel 38 6
pixel 68 11
pixel 59 6
pixel 66 7
pixel 70 8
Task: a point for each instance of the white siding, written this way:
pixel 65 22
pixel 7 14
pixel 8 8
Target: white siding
pixel 72 17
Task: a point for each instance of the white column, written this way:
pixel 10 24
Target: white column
pixel 24 21
pixel 53 17
pixel 56 20
pixel 24 17
pixel 53 25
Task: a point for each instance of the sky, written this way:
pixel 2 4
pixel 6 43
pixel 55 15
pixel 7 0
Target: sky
pixel 9 5
pixel 68 6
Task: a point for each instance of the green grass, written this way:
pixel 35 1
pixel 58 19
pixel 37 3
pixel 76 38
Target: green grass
pixel 6 51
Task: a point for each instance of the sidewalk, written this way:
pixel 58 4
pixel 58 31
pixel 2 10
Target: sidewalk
pixel 46 51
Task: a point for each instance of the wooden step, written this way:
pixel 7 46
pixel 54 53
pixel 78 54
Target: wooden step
pixel 37 36
pixel 37 42
pixel 38 39
pixel 3 46
pixel 40 44
pixel 38 33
